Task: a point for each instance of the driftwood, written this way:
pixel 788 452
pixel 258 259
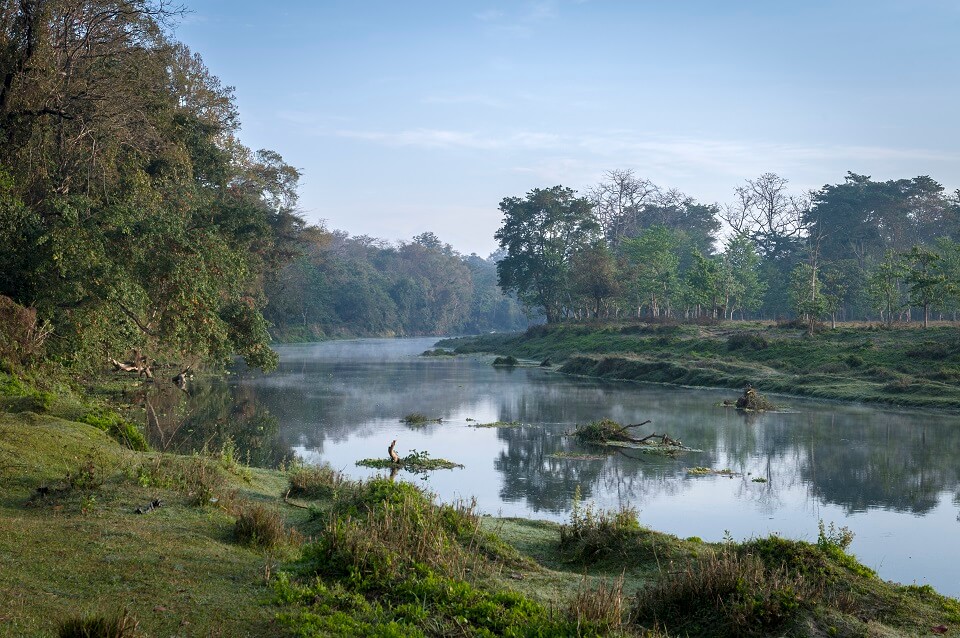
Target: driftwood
pixel 636 425
pixel 664 439
pixel 139 364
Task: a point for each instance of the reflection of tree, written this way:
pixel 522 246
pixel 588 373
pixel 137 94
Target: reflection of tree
pixel 881 462
pixel 214 414
pixel 852 457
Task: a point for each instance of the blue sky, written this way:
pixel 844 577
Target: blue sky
pixel 414 116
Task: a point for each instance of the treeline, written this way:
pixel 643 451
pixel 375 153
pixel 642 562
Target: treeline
pixel 131 218
pixel 858 250
pixel 355 286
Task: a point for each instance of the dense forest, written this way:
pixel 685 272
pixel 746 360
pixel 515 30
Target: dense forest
pixel 343 286
pixel 858 250
pixel 132 219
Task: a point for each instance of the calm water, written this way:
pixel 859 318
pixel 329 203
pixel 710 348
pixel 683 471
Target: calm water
pixel 892 477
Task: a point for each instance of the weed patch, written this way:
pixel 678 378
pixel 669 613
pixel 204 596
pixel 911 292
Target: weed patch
pixel 99 626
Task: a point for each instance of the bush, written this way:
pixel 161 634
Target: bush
pixel 116 426
pixel 315 482
pixel 21 337
pixel 592 535
pixel 119 626
pixel 724 594
pixel 259 526
pixel 746 341
pixel 601 606
pixel 508 361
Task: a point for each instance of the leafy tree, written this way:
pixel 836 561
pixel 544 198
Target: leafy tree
pixel 540 233
pixel 594 274
pixel 703 284
pixel 742 264
pixel 926 283
pixel 884 285
pixel 805 294
pixel 652 262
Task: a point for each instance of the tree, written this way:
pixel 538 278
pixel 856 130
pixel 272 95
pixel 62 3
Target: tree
pixel 926 282
pixel 703 284
pixel 742 263
pixel 768 214
pixel 652 263
pixel 883 285
pixel 540 233
pixel 805 294
pixel 593 274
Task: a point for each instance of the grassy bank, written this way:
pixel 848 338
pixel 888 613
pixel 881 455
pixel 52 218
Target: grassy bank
pixel 221 549
pixel 901 366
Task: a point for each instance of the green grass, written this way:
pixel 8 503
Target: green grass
pixel 911 367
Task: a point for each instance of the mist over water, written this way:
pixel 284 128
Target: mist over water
pixel 888 475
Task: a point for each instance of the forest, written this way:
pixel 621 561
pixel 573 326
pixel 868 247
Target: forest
pixel 857 250
pixel 133 220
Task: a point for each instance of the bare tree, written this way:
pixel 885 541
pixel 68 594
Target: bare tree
pixel 618 203
pixel 767 213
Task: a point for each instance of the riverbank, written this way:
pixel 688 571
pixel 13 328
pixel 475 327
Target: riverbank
pixel 220 548
pixel 911 367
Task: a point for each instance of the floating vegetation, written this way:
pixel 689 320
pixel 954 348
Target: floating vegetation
pixel 610 433
pixel 497 424
pixel 750 401
pixel 759 479
pixel 603 431
pixel 413 462
pixel 577 456
pixel 418 418
pixel 509 361
pixel 438 352
pixel 704 471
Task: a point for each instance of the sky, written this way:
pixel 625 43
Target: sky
pixel 408 116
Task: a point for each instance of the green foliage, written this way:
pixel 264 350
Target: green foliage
pixel 260 526
pixel 315 482
pixel 116 426
pixel 391 562
pixel 601 432
pixel 155 232
pixel 508 361
pixel 593 535
pixel 415 461
pixel 121 625
pixel 540 235
pixel 725 594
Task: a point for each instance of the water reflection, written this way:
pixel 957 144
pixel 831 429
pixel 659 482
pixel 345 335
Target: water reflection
pixel 892 476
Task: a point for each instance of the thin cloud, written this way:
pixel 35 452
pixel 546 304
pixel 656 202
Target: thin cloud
pixel 726 156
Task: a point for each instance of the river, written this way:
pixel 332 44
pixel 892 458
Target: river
pixel 892 477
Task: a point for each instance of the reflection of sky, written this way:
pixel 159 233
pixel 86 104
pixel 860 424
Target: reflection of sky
pixel 887 475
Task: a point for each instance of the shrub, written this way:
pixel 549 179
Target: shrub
pixel 315 482
pixel 116 426
pixel 259 526
pixel 508 361
pixel 601 606
pixel 592 535
pixel 746 341
pixel 21 336
pixel 724 594
pixel 102 626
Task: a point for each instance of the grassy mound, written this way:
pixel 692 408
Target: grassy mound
pixel 902 366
